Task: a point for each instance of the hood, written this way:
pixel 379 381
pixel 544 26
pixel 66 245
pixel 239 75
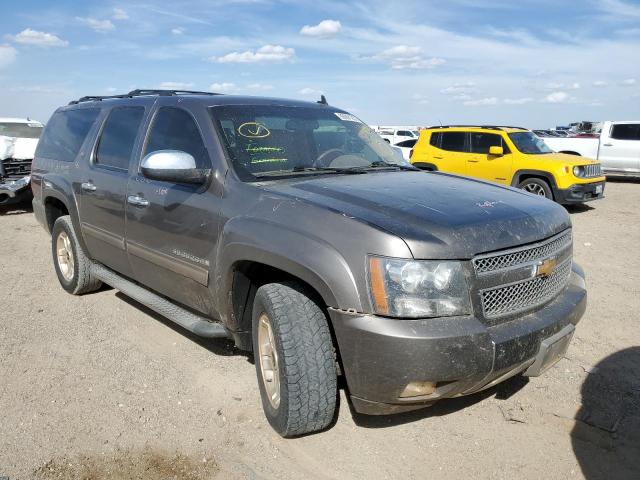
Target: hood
pixel 18 148
pixel 439 216
pixel 565 159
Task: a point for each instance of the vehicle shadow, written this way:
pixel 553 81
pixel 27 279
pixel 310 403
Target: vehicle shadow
pixel 218 346
pixel 16 208
pixel 502 391
pixel 606 434
pixel 578 208
pixel 621 179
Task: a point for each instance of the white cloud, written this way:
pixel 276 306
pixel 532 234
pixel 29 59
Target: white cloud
pixel 111 89
pixel 600 83
pixel 176 85
pixel 308 91
pixel 177 31
pixel 7 55
pixel 119 14
pixel 402 57
pixel 265 54
pixel 224 87
pixel 39 39
pixel 629 82
pixel 326 28
pixel 100 26
pixel 420 99
pixel 459 89
pixel 574 86
pixel 481 102
pixel 518 101
pixel 557 97
pixel 260 86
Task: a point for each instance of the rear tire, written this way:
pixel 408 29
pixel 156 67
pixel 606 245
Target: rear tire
pixel 537 186
pixel 72 265
pixel 295 360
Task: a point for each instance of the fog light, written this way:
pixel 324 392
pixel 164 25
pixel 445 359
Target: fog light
pixel 418 389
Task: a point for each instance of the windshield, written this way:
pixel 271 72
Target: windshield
pixel 271 141
pixel 528 142
pixel 20 130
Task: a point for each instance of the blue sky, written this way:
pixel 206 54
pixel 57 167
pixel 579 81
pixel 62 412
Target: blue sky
pixel 532 63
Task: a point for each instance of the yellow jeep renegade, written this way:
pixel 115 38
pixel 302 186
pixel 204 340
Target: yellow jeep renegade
pixel 510 156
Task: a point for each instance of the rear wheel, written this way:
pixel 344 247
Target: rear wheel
pixel 537 186
pixel 72 265
pixel 294 358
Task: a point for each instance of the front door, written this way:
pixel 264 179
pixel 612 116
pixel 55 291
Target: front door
pixel 481 164
pixel 172 228
pixel 104 188
pixel 621 150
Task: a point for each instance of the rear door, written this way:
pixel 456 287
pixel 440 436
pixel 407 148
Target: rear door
pixel 447 151
pixel 480 164
pixel 104 186
pixel 172 228
pixel 620 147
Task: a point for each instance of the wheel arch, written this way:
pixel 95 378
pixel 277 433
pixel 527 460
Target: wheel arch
pixel 430 167
pixel 522 175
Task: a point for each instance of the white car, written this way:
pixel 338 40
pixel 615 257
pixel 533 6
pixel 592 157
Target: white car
pixel 393 135
pixel 406 146
pixel 617 148
pixel 18 141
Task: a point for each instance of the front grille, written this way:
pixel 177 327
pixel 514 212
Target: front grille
pixel 532 253
pixel 14 169
pixel 524 295
pixel 593 170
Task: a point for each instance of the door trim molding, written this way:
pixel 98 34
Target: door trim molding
pixel 103 235
pixel 176 265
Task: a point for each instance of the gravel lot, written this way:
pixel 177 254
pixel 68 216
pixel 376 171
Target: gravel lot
pixel 99 387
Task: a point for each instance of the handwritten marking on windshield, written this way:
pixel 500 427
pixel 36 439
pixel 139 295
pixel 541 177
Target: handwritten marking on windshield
pixel 253 130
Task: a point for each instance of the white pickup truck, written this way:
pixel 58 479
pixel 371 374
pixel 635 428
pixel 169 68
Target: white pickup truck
pixel 617 149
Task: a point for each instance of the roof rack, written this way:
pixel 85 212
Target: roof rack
pixel 492 127
pixel 140 93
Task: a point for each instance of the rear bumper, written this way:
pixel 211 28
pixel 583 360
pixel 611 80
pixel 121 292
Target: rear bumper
pixel 381 356
pixel 15 191
pixel 579 193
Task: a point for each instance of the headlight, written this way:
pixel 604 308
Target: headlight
pixel 415 289
pixel 578 171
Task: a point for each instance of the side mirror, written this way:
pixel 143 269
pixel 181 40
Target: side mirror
pixel 497 151
pixel 173 166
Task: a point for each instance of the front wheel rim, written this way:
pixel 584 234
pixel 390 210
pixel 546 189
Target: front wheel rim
pixel 535 189
pixel 64 255
pixel 268 357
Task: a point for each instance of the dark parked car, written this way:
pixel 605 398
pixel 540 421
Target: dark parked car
pixel 294 229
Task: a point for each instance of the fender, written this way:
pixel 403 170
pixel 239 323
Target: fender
pixel 538 173
pixel 307 257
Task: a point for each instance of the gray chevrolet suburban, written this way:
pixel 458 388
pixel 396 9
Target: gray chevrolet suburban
pixel 295 230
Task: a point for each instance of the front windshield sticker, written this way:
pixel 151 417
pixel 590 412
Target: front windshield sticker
pixel 253 130
pixel 346 117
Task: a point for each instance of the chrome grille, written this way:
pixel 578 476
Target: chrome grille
pixel 14 169
pixel 593 170
pixel 525 295
pixel 510 258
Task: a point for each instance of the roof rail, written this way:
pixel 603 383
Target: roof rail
pixel 492 127
pixel 140 93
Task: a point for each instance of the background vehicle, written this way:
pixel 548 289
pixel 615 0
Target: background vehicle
pixel 293 228
pixel 617 147
pixel 510 156
pixel 406 146
pixel 18 140
pixel 394 135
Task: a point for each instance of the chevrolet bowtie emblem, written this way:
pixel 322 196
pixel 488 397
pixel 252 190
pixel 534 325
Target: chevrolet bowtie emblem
pixel 546 267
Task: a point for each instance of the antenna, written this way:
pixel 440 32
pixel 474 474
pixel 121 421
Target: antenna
pixel 323 100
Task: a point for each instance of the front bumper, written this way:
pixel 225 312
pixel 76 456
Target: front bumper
pixel 381 356
pixel 15 190
pixel 579 193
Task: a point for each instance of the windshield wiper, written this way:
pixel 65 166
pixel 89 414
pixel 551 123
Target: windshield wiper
pixel 308 170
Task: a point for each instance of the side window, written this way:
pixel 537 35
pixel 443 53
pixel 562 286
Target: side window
pixel 404 133
pixel 626 131
pixel 65 133
pixel 434 141
pixel 453 141
pixel 118 137
pixel 480 142
pixel 406 143
pixel 175 129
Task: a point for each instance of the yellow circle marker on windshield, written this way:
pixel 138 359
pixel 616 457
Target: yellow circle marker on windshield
pixel 253 130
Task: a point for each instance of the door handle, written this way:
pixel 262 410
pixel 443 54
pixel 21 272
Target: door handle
pixel 473 161
pixel 88 187
pixel 137 200
pixel 607 144
pixel 439 158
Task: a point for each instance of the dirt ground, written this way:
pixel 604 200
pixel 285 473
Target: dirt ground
pixel 98 387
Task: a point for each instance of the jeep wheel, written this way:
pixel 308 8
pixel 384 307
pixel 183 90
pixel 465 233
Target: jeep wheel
pixel 72 265
pixel 295 361
pixel 537 187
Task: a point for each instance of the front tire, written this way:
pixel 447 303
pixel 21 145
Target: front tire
pixel 294 358
pixel 72 265
pixel 536 186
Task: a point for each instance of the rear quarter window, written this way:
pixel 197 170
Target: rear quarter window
pixel 65 133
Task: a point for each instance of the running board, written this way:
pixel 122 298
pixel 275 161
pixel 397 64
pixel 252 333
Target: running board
pixel 194 323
